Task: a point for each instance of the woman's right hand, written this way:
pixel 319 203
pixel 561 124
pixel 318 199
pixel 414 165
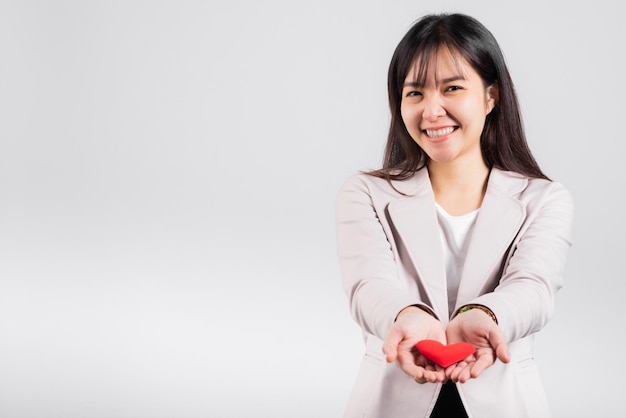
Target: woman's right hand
pixel 412 325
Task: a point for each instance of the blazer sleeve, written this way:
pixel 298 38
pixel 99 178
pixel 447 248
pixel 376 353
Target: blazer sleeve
pixel 366 260
pixel 524 299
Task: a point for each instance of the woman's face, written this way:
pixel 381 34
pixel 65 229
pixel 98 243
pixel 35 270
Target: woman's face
pixel 446 114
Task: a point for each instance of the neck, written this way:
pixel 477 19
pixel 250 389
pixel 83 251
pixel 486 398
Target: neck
pixel 460 174
pixel 459 187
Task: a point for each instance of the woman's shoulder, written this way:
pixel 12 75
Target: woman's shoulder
pixel 374 183
pixel 533 191
pixel 515 181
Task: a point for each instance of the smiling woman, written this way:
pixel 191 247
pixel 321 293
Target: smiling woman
pixel 446 114
pixel 458 238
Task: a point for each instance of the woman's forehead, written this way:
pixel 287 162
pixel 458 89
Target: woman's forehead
pixel 438 64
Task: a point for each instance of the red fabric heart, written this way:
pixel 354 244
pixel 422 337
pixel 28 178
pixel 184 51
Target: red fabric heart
pixel 444 355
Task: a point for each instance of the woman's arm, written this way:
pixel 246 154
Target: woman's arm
pixel 523 301
pixel 369 269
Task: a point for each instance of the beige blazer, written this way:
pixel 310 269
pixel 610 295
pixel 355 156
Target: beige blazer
pixel 391 256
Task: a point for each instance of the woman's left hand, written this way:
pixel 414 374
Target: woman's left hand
pixel 478 329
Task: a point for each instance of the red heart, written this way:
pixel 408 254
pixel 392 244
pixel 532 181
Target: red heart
pixel 444 355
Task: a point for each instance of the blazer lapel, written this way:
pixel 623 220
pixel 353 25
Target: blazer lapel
pixel 414 219
pixel 499 220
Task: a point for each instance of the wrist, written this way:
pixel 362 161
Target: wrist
pixel 483 308
pixel 416 309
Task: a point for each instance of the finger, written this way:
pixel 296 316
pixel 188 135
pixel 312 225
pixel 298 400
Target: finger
pixel 481 364
pixel 496 340
pixel 450 370
pixel 461 365
pixel 407 363
pixel 390 345
pixel 465 373
pixel 456 370
pixel 433 375
pixel 471 358
pixel 404 358
pixel 419 375
pixel 419 368
pixel 502 352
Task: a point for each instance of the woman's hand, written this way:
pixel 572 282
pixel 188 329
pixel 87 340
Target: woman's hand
pixel 413 325
pixel 479 329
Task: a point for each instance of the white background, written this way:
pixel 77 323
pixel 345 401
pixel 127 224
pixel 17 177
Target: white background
pixel 168 172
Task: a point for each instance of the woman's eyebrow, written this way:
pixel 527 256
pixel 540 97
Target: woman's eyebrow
pixel 418 84
pixel 413 83
pixel 451 79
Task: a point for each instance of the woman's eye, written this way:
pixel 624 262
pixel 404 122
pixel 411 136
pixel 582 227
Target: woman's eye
pixel 453 88
pixel 413 93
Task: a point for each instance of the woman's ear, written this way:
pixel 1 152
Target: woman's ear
pixel 493 95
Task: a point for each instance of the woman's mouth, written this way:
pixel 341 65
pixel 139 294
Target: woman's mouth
pixel 439 133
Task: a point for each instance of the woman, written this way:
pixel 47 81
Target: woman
pixel 460 237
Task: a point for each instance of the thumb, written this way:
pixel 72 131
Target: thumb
pixel 500 346
pixel 390 346
pixel 502 352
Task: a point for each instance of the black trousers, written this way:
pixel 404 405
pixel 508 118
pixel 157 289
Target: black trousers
pixel 449 403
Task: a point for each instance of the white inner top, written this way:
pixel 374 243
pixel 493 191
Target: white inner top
pixel 455 232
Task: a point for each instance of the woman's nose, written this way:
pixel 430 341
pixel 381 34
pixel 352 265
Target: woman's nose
pixel 433 108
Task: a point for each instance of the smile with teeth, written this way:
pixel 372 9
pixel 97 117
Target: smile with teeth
pixel 437 133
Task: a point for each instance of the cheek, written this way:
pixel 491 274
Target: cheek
pixel 472 112
pixel 403 111
pixel 409 117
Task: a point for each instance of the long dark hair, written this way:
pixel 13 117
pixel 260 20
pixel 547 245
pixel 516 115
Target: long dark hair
pixel 503 141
